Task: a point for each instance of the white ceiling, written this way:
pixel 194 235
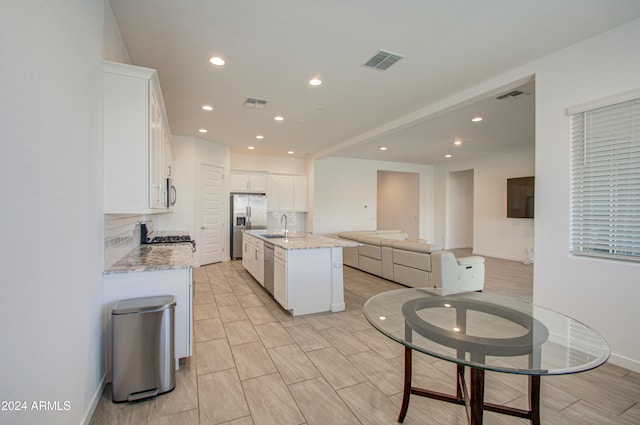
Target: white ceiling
pixel 273 48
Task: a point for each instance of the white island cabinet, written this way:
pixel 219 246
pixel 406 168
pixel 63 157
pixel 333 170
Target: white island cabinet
pixel 307 273
pixel 253 256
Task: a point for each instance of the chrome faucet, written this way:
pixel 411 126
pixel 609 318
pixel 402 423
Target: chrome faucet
pixel 286 232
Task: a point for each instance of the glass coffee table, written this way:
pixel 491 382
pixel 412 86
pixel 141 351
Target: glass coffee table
pixel 484 332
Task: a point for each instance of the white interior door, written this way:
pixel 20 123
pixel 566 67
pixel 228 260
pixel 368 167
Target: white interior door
pixel 211 235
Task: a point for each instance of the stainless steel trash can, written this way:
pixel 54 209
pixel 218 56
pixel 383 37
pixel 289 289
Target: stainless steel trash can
pixel 143 361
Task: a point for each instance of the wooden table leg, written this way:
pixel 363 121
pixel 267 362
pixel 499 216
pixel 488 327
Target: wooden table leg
pixel 534 399
pixel 459 381
pixel 476 404
pixel 407 384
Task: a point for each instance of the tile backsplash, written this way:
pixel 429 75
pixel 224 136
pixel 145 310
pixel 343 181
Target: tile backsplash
pixel 121 235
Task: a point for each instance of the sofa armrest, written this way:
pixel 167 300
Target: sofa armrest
pixel 471 260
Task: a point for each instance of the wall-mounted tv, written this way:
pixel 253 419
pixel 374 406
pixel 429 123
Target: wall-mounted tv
pixel 520 192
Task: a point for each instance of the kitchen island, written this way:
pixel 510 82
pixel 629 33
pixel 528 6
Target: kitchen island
pixel 307 270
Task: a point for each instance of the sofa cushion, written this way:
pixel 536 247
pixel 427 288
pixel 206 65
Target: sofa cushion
pixel 392 235
pixel 368 239
pixel 370 265
pixel 370 247
pixel 413 259
pixel 410 276
pixel 350 256
pixel 383 234
pixel 416 246
pixel 353 235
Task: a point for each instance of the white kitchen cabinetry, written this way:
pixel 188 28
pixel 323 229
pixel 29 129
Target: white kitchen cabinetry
pixel 280 276
pixel 279 193
pixel 248 181
pixel 286 193
pixel 308 280
pixel 137 141
pixel 300 193
pixel 253 256
pixel 176 282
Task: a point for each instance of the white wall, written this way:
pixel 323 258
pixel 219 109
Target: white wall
pixel 271 164
pixel 459 210
pixel 345 194
pixel 398 203
pixel 494 234
pixel 603 294
pixel 51 211
pixel 113 47
pixel 189 154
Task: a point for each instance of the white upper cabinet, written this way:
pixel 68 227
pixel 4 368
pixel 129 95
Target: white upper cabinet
pixel 248 181
pixel 300 193
pixel 137 141
pixel 286 193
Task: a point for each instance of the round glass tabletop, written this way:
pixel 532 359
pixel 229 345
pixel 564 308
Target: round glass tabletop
pixel 486 331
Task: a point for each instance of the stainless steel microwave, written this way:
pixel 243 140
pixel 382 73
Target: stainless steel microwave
pixel 171 192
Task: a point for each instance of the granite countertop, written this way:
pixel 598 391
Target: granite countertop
pixel 304 241
pixel 155 257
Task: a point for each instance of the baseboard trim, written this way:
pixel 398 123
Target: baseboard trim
pixel 95 400
pixel 502 257
pixel 625 362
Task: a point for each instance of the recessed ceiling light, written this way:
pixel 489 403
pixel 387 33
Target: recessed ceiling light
pixel 383 148
pixel 457 142
pixel 290 152
pixel 476 119
pixel 216 60
pixel 202 130
pixel 278 118
pixel 207 107
pixel 315 82
pixel 259 137
pixel 448 155
pixel 251 148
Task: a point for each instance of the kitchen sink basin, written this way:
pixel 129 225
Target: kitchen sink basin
pixel 272 235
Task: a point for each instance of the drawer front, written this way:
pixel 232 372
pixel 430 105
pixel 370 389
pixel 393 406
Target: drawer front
pixel 280 253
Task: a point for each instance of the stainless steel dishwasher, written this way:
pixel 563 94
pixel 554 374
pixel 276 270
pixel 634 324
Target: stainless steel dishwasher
pixel 268 267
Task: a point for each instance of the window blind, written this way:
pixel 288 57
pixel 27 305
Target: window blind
pixel 605 181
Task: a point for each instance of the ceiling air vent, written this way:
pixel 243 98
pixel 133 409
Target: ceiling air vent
pixel 511 95
pixel 254 103
pixel 383 60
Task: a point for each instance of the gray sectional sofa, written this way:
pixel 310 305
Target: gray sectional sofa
pixel 391 255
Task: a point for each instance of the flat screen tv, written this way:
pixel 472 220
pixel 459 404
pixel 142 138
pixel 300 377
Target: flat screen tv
pixel 520 192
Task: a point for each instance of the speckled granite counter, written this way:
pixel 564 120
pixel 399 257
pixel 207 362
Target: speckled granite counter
pixel 155 257
pixel 307 241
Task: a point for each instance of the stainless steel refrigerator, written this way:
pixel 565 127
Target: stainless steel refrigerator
pixel 248 211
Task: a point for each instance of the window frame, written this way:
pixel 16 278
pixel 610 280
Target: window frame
pixel 605 178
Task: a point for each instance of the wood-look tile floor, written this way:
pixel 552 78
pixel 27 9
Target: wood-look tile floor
pixel 255 364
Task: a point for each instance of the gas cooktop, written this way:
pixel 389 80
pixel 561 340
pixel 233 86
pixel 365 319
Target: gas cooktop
pixel 170 239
